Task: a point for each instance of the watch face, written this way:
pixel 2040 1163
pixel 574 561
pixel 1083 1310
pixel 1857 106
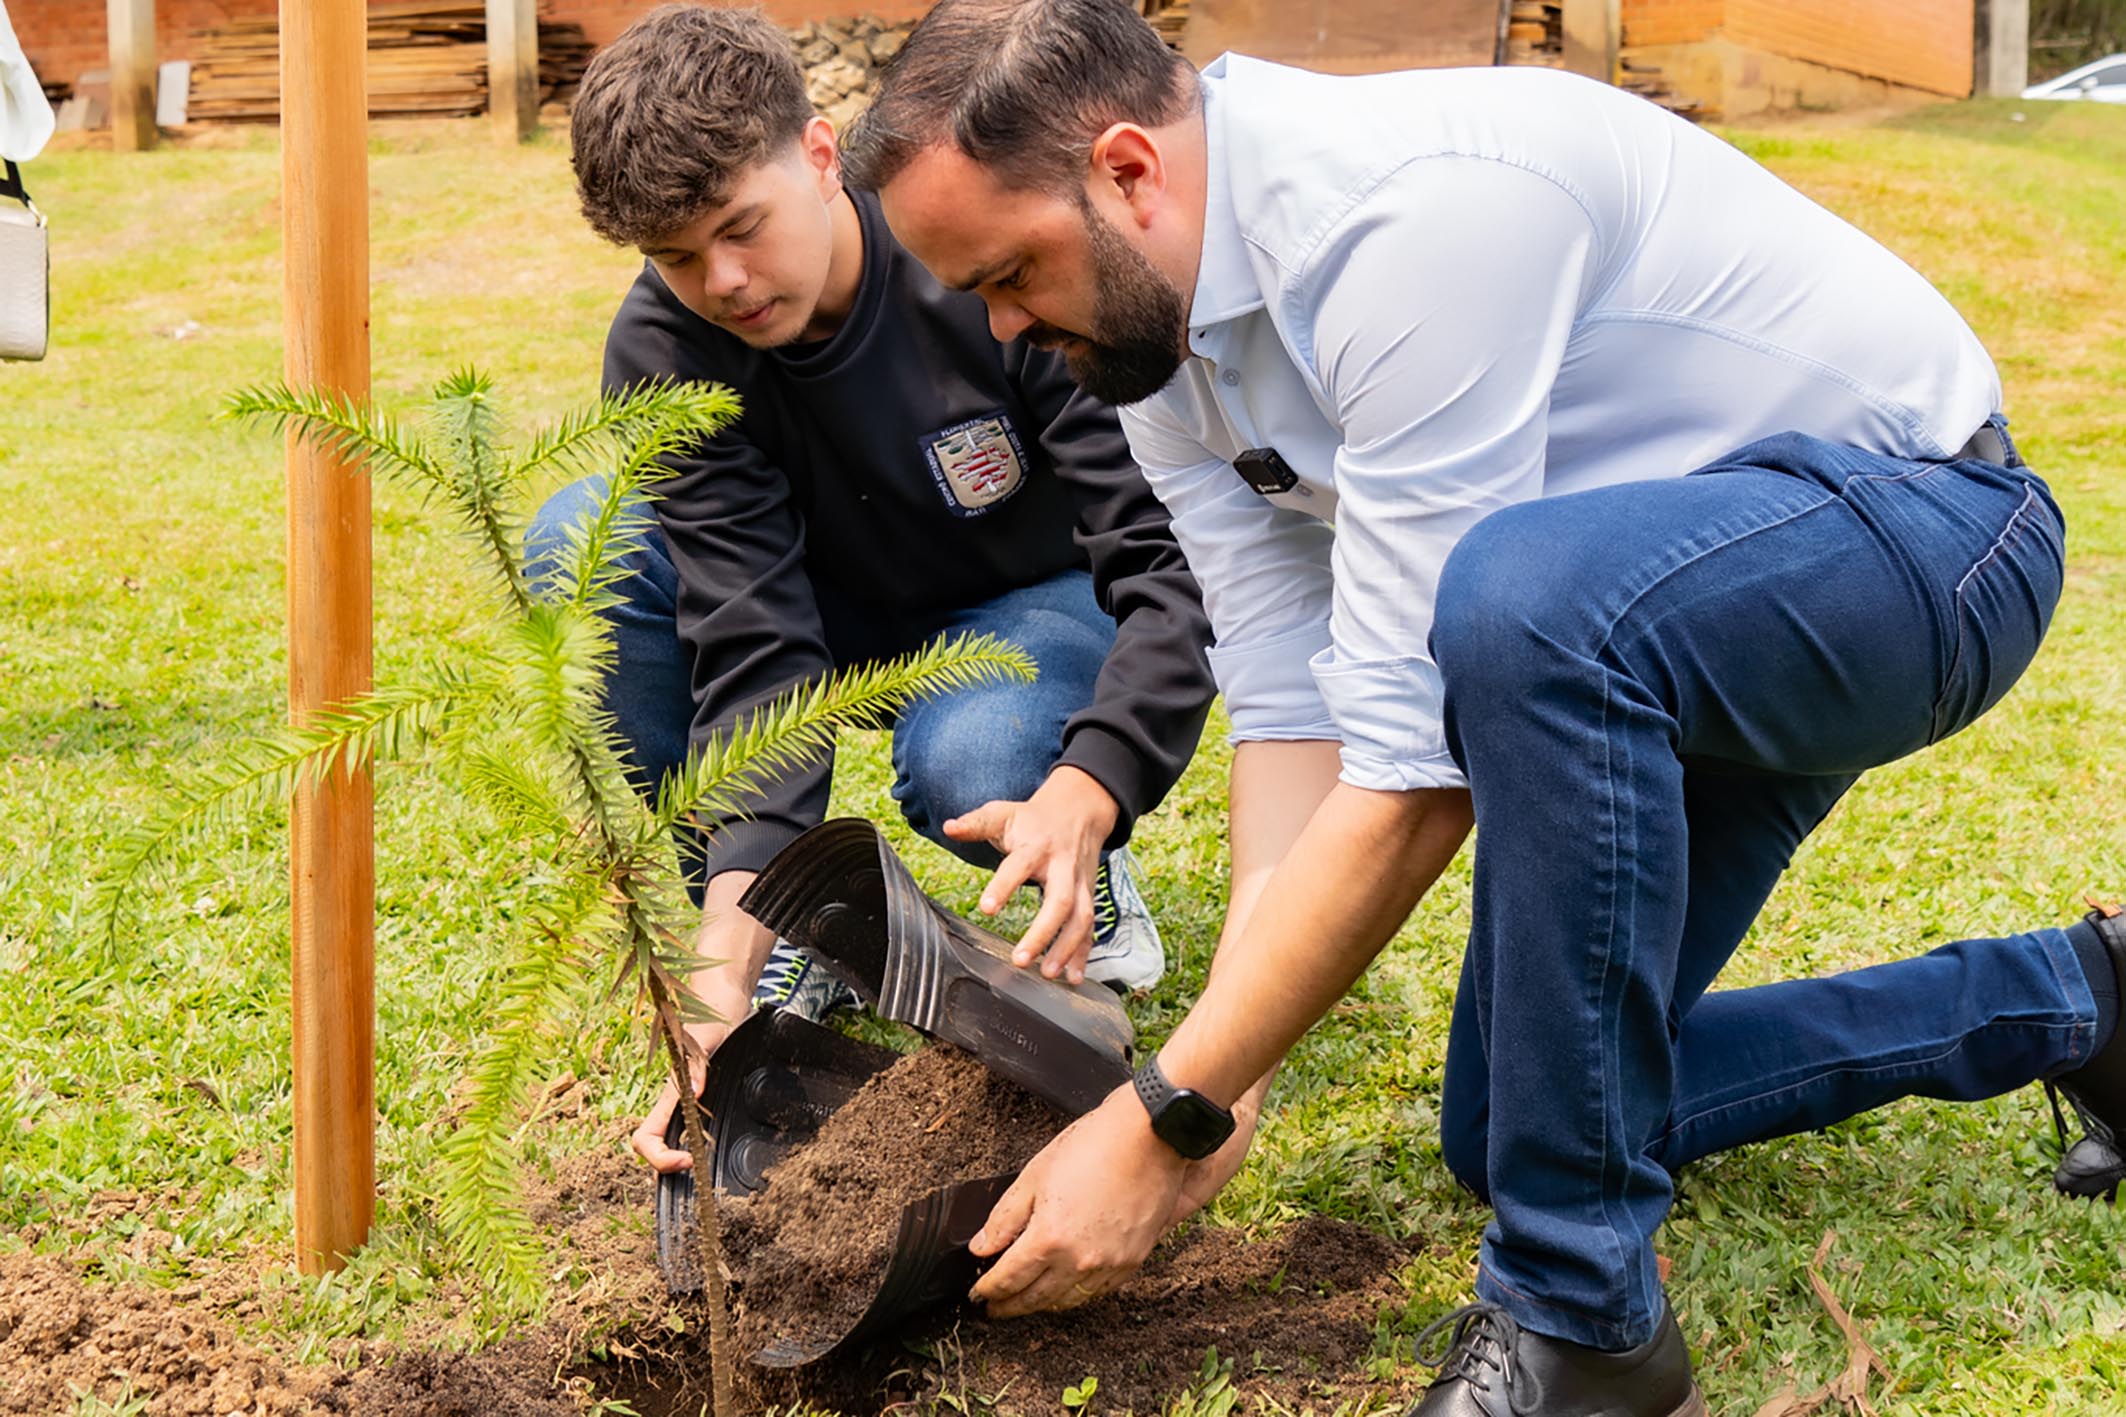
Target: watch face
pixel 1191 1125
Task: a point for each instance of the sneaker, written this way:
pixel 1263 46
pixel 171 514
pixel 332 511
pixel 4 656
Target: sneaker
pixel 796 982
pixel 1492 1367
pixel 1126 953
pixel 2094 1166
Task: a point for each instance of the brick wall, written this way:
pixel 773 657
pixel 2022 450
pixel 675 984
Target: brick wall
pixel 64 38
pixel 1925 44
pixel 1670 21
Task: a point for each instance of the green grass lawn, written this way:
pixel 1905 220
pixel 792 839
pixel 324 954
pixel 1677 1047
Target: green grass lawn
pixel 144 1105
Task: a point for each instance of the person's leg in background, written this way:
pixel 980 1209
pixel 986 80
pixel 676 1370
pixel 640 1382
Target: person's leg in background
pixel 651 698
pixel 1806 611
pixel 650 692
pixel 998 742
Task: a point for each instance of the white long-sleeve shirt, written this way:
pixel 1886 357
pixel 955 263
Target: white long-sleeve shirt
pixel 25 116
pixel 1439 292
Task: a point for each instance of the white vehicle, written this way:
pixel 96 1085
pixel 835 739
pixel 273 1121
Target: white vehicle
pixel 2104 81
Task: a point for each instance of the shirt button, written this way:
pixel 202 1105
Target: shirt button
pixel 1231 377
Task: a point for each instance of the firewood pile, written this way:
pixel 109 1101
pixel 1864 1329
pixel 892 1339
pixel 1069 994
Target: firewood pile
pixel 1169 17
pixel 427 58
pixel 842 60
pixel 1535 34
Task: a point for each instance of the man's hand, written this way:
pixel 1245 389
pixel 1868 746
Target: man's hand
pixel 1206 1178
pixel 1084 1213
pixel 1053 838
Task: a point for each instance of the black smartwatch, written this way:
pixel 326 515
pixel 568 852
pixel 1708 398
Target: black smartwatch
pixel 1187 1121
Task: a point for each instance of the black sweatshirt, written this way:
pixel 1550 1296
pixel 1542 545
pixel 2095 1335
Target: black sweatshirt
pixel 877 481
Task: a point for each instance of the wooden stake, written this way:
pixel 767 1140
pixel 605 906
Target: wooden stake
pixel 132 45
pixel 513 68
pixel 325 233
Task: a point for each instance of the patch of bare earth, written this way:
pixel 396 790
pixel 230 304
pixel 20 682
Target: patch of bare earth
pixel 1294 1313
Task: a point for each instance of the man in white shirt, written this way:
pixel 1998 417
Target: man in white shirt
pixel 1452 342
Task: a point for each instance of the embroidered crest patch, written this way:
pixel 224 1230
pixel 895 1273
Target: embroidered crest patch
pixel 976 464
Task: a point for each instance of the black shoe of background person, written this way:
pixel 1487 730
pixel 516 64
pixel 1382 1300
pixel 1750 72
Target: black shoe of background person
pixel 1492 1367
pixel 2094 1166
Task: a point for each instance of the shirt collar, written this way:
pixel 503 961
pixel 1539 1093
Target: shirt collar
pixel 1225 278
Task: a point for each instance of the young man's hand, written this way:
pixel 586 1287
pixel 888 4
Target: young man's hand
pixel 648 1136
pixel 1053 838
pixel 733 949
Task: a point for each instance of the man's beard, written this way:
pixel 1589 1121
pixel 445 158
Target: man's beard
pixel 1138 319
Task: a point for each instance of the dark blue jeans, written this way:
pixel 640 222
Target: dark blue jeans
pixel 1657 691
pixel 951 753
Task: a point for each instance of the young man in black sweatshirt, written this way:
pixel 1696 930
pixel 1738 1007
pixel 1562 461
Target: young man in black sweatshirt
pixel 896 475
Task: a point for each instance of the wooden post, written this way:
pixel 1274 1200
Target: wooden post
pixel 1594 32
pixel 325 233
pixel 2002 50
pixel 513 68
pixel 132 46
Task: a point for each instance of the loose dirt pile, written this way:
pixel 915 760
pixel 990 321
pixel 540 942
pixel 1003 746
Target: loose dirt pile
pixel 807 1253
pixel 1294 1314
pixel 62 1342
pixel 66 1344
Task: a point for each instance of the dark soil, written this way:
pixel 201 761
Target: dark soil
pixel 1294 1314
pixel 64 1340
pixel 807 1254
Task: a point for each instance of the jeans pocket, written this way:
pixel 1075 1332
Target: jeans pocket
pixel 2004 605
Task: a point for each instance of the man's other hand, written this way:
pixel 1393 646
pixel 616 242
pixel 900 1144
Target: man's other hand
pixel 1084 1213
pixel 1052 839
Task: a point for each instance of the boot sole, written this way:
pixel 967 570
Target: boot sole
pixel 2108 1192
pixel 1693 1406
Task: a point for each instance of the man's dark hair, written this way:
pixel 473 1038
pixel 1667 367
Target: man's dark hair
pixel 1021 86
pixel 674 110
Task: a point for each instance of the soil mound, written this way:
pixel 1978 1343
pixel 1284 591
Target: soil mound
pixel 1295 1315
pixel 808 1252
pixel 64 1342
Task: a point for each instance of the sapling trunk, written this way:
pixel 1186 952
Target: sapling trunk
pixel 522 717
pixel 708 1231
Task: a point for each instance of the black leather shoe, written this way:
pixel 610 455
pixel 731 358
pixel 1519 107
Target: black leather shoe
pixel 1492 1367
pixel 2094 1166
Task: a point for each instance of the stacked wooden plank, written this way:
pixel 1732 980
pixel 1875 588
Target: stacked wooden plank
pixel 1535 33
pixel 426 58
pixel 1169 17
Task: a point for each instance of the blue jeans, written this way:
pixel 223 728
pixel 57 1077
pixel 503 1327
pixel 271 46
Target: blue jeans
pixel 951 753
pixel 1657 691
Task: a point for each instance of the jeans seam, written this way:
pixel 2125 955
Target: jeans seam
pixel 2052 962
pixel 1922 1060
pixel 2013 532
pixel 1597 1325
pixel 1613 1179
pixel 1617 620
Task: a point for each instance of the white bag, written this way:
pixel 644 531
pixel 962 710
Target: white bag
pixel 25 273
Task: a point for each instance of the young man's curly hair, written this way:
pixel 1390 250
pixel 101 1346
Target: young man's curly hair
pixel 673 111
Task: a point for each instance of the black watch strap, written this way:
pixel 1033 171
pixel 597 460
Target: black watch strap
pixel 1187 1121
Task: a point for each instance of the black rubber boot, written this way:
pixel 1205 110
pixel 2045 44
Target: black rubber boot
pixel 2094 1166
pixel 1492 1367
